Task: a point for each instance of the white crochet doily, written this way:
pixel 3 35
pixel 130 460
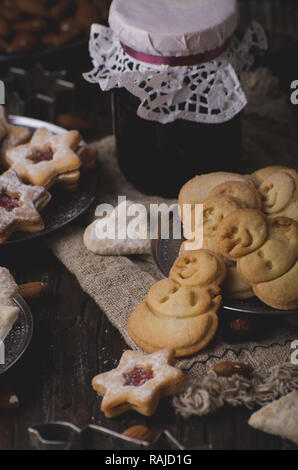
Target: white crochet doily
pixel 209 92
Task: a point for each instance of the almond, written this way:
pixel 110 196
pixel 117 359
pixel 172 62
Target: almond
pixel 243 327
pixel 139 432
pixel 228 369
pixel 73 121
pixel 8 398
pixel 33 290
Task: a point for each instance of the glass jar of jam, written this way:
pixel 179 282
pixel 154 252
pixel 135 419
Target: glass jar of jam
pixel 174 68
pixel 159 158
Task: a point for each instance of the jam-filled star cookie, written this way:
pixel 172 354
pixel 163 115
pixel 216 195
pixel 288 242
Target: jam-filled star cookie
pixel 46 158
pixel 20 205
pixel 70 180
pixel 202 268
pixel 138 383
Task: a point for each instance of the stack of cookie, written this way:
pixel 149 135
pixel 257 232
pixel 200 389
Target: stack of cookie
pixel 181 312
pixel 250 248
pixel 251 221
pixel 25 24
pixel 35 164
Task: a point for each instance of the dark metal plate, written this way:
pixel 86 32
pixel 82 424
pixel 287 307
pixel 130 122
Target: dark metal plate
pixel 64 207
pixel 19 336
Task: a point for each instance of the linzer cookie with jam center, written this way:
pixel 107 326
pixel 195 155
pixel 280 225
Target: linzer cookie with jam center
pixel 88 156
pixel 138 383
pixel 47 158
pixel 20 205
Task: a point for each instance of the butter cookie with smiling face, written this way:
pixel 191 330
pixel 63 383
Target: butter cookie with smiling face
pixel 186 335
pixel 196 190
pixel 245 193
pixel 267 259
pixel 273 269
pixel 280 293
pixel 181 312
pixel 215 209
pixel 168 298
pixel 201 268
pixel 241 232
pixel 259 176
pixel 275 257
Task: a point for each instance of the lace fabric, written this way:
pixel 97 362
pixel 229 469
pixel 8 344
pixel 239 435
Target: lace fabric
pixel 207 93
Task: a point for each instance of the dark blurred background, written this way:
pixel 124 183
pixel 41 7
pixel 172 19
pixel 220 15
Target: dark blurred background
pixel 46 82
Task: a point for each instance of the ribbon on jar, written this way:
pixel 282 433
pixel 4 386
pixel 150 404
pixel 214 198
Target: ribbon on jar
pixel 176 61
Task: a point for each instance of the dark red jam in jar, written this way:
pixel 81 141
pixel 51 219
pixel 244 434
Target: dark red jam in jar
pixel 177 97
pixel 159 158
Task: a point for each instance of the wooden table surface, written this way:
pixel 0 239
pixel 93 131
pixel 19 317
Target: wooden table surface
pixel 73 341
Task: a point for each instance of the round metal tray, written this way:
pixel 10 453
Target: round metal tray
pixel 19 336
pixel 64 207
pixel 165 251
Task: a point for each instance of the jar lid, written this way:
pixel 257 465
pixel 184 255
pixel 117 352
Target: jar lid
pixel 174 27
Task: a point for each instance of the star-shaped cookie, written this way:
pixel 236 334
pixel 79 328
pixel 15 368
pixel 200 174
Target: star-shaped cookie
pixel 138 383
pixel 46 158
pixel 19 205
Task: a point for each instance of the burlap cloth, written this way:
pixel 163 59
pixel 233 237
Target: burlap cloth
pixel 119 284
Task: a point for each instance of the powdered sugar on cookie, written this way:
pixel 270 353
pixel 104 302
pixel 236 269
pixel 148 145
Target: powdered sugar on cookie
pixel 138 383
